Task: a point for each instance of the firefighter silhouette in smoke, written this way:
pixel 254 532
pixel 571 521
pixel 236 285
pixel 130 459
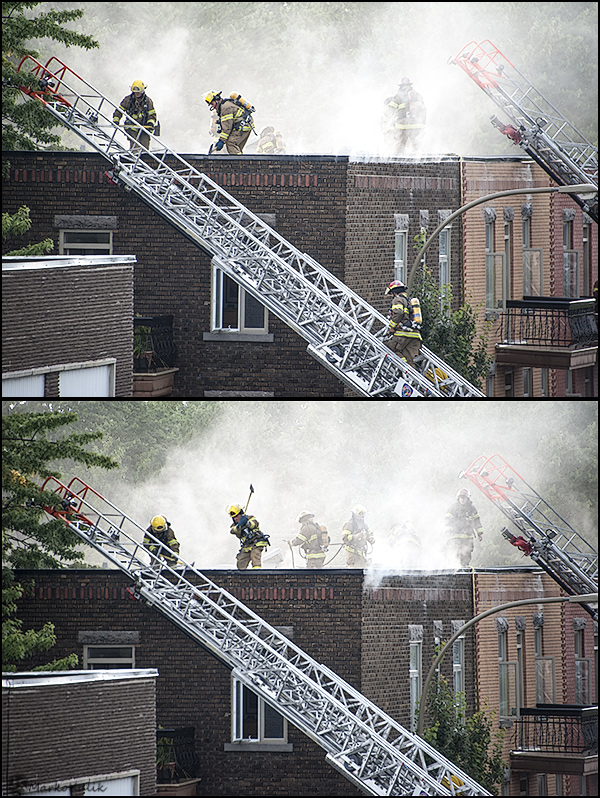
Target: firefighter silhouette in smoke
pixel 357 538
pixel 312 539
pixel 463 525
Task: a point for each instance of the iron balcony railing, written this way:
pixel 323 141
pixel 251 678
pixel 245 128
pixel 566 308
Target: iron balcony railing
pixel 176 754
pixel 557 728
pixel 153 344
pixel 550 322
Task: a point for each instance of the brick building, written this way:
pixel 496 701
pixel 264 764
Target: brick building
pixel 379 636
pixel 67 326
pixel 358 218
pixel 79 733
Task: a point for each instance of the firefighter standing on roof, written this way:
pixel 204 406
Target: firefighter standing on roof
pixel 234 121
pixel 406 339
pixel 312 538
pixel 168 545
pixel 141 109
pixel 462 526
pixel 253 542
pixel 356 537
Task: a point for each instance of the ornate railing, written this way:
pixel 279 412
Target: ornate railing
pixel 561 729
pixel 549 322
pixel 153 344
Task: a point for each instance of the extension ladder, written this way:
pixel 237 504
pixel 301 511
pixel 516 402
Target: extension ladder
pixel 344 333
pixel 368 747
pixel 558 147
pixel 548 539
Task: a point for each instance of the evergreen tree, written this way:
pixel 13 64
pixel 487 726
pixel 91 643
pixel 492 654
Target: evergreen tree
pixel 31 444
pixel 25 124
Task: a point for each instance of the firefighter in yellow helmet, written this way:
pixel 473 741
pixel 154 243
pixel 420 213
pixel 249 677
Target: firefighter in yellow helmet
pixel 160 540
pixel 141 110
pixel 405 334
pixel 234 123
pixel 246 528
pixel 357 538
pixel 462 526
pixel 312 539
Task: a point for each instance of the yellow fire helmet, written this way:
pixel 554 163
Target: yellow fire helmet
pixel 159 523
pixel 234 510
pixel 138 85
pixel 358 509
pixel 212 95
pixel 305 514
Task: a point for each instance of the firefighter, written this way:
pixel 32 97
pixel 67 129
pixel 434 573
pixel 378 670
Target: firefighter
pixel 312 539
pixel 141 109
pixel 405 333
pixel 462 526
pixel 235 123
pixel 356 537
pixel 404 539
pixel 253 542
pixel 266 142
pixel 168 547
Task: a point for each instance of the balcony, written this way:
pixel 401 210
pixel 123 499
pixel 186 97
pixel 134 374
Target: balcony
pixel 548 332
pixel 556 739
pixel 154 356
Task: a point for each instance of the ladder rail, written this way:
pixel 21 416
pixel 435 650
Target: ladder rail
pixel 252 253
pixel 540 129
pixel 365 744
pixel 563 552
pixel 487 66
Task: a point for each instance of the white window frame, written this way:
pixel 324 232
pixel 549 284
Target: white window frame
pixel 458 666
pixel 400 254
pixel 218 285
pixel 239 694
pixel 83 247
pixel 92 662
pixel 415 676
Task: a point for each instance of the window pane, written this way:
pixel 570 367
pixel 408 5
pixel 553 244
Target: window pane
pixel 273 723
pixel 250 720
pixel 230 303
pixel 110 652
pixel 254 312
pixel 86 237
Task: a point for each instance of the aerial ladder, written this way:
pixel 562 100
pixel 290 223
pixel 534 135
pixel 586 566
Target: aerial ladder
pixel 544 536
pixel 365 745
pixel 542 131
pixel 344 333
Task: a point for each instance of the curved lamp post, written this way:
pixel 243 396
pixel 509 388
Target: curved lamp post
pixel 589 597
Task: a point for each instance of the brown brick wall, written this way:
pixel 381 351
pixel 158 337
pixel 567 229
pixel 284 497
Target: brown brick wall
pixel 63 315
pixel 377 191
pixel 76 731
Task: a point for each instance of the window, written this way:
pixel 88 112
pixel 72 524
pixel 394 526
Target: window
pixel 108 657
pixel 415 676
pixel 506 678
pixel 508 261
pixel 527 382
pixel 532 272
pixel 400 246
pixel 86 242
pixel 458 665
pixel 544 670
pixel 570 262
pixel 587 260
pixel 30 386
pixel 494 270
pixel 254 720
pixel 582 670
pixel 234 309
pixel 444 261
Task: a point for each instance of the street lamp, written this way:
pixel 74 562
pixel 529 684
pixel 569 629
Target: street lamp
pixel 587 598
pixel 581 189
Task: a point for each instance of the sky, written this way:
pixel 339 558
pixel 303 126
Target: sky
pixel 324 97
pixel 401 461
